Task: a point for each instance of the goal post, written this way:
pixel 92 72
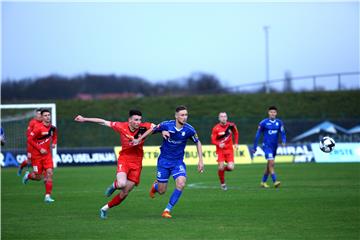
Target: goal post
pixel 16 138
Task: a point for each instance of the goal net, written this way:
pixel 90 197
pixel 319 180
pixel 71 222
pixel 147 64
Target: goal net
pixel 14 121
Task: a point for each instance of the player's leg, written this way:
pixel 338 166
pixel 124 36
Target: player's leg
pixel 179 175
pixel 24 164
pixel 160 185
pixel 221 173
pixel 121 178
pixel 268 157
pixel 35 175
pixel 48 181
pixel 119 198
pixel 272 170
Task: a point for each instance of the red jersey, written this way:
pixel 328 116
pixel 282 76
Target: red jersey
pixel 32 123
pixel 223 134
pixel 130 152
pixel 42 137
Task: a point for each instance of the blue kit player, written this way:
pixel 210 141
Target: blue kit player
pixel 271 128
pixel 171 160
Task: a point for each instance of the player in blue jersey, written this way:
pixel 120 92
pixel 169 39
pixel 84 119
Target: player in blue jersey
pixel 270 128
pixel 171 160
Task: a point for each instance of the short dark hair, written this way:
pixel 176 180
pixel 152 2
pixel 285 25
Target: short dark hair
pixel 44 111
pixel 38 110
pixel 272 108
pixel 180 108
pixel 133 112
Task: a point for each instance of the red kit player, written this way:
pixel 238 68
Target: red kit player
pixel 42 138
pixel 221 136
pixel 37 119
pixel 132 135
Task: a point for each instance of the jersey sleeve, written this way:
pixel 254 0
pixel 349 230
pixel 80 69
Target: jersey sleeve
pixel 214 133
pixel 194 137
pixel 236 133
pixel 258 133
pixel 32 138
pixel 283 133
pixel 55 135
pixel 161 127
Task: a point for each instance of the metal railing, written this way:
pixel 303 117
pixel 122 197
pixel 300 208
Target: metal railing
pixel 316 82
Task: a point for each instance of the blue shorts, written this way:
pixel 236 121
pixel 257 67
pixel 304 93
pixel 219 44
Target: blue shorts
pixel 163 173
pixel 270 152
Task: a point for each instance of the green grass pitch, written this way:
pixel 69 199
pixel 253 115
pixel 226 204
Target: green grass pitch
pixel 315 201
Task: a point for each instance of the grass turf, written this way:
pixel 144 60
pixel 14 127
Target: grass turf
pixel 315 201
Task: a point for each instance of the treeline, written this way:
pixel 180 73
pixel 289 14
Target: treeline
pixel 60 87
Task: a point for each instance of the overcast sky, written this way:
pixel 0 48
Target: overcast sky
pixel 162 41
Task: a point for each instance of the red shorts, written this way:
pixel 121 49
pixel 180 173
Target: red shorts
pixel 41 163
pixel 131 169
pixel 225 156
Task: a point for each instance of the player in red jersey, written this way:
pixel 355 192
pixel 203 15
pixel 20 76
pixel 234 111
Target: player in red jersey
pixel 42 138
pixel 221 136
pixel 132 136
pixel 37 119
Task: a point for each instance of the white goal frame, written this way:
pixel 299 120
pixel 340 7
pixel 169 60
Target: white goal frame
pixel 51 106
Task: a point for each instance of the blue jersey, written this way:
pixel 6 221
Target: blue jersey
pixel 271 130
pixel 172 149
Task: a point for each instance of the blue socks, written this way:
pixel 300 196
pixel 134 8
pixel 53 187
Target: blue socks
pixel 265 177
pixel 156 187
pixel 173 199
pixel 273 176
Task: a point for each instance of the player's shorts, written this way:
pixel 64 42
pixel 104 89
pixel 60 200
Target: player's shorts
pixel 40 164
pixel 270 152
pixel 163 173
pixel 225 156
pixel 131 169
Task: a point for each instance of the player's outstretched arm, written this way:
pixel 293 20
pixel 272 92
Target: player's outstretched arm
pixel 149 131
pixel 200 154
pixel 100 121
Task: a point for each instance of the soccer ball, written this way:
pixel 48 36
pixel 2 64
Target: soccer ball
pixel 327 144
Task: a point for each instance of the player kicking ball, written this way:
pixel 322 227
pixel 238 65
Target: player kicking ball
pixel 222 136
pixel 132 136
pixel 271 128
pixel 42 138
pixel 171 160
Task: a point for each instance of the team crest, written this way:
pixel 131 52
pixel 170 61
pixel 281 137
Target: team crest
pixel 183 134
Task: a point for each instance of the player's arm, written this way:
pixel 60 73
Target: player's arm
pixel 200 154
pixel 257 136
pixel 54 137
pixel 2 137
pixel 283 134
pixel 147 133
pixel 32 141
pixel 163 129
pixel 236 136
pixel 213 137
pixel 100 121
pixel 196 140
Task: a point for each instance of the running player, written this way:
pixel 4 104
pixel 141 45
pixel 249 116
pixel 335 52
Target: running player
pixel 170 161
pixel 42 138
pixel 37 119
pixel 271 128
pixel 132 136
pixel 222 136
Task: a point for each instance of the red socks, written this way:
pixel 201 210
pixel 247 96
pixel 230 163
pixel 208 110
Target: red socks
pixel 115 201
pixel 48 186
pixel 23 164
pixel 221 174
